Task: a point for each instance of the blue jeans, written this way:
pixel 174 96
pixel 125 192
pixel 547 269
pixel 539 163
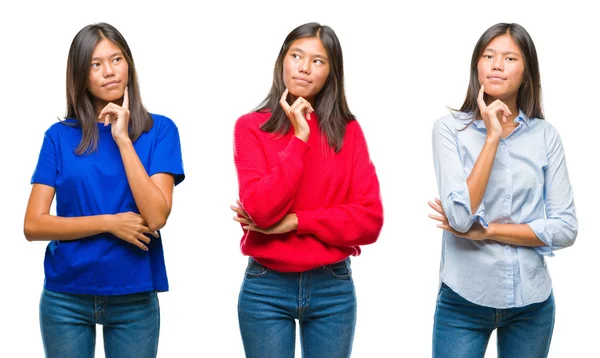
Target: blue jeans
pixel 462 329
pixel 130 324
pixel 323 300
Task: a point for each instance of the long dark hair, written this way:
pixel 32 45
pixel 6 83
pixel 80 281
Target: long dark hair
pixel 80 102
pixel 330 103
pixel 529 98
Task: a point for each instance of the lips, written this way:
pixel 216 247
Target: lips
pixel 497 78
pixel 111 83
pixel 301 80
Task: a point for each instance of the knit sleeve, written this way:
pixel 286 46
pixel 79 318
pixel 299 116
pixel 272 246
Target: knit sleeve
pixel 266 192
pixel 359 221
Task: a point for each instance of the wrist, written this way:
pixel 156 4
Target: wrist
pixel 493 138
pixel 123 142
pixel 106 223
pixel 293 220
pixel 490 231
pixel 303 136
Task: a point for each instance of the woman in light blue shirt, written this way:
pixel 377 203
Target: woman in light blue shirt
pixel 506 202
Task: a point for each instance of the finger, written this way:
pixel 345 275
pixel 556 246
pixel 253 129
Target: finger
pixel 126 98
pixel 283 101
pixel 242 220
pixel 143 238
pixel 436 207
pixel 155 234
pixel 437 217
pixel 253 228
pixel 480 100
pixel 449 228
pixel 438 201
pixel 239 211
pixel 139 244
pixel 241 208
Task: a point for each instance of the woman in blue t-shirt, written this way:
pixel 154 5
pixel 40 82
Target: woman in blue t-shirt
pixel 112 166
pixel 506 202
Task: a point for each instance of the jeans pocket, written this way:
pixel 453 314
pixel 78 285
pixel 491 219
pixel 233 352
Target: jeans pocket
pixel 341 270
pixel 255 269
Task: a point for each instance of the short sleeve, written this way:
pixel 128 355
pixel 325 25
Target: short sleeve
pixel 46 169
pixel 167 156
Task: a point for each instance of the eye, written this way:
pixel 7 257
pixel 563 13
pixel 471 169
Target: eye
pixel 319 62
pixel 510 59
pixel 117 59
pixel 489 57
pixel 95 64
pixel 295 56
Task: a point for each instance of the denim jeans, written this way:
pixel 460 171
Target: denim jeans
pixel 323 301
pixel 462 329
pixel 130 323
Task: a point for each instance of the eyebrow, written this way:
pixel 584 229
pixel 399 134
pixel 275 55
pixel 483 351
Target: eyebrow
pixel 489 49
pixel 113 55
pixel 298 49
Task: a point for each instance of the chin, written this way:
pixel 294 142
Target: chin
pixel 300 93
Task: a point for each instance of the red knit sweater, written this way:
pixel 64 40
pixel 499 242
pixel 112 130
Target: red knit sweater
pixel 335 196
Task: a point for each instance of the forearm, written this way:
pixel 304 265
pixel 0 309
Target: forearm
pixel 344 225
pixel 149 199
pixel 513 234
pixel 46 227
pixel 480 174
pixel 268 193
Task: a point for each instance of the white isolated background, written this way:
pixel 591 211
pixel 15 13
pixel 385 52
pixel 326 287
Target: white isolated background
pixel 204 64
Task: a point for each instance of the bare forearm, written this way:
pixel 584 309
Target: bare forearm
pixel 480 174
pixel 513 234
pixel 47 227
pixel 149 199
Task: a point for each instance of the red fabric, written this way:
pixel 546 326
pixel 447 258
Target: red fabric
pixel 335 196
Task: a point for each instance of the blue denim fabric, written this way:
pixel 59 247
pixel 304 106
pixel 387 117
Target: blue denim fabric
pixel 131 324
pixel 462 329
pixel 323 300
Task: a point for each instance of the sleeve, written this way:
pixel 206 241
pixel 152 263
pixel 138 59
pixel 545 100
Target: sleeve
pixel 167 156
pixel 452 180
pixel 46 169
pixel 266 193
pixel 359 221
pixel 559 229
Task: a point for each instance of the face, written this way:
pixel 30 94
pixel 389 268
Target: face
pixel 108 73
pixel 305 68
pixel 500 68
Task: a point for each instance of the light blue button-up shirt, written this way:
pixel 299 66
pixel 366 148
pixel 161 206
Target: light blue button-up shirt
pixel 529 184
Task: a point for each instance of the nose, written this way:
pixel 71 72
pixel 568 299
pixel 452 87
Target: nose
pixel 498 63
pixel 304 66
pixel 108 69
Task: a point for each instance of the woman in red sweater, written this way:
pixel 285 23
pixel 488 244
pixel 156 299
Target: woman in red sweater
pixel 309 197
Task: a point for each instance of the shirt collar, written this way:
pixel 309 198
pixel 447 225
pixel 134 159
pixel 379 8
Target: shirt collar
pixel 521 118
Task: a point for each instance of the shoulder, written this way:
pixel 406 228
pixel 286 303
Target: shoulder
pixel 162 123
pixel 62 127
pixel 551 137
pixel 452 122
pixel 353 129
pixel 541 124
pixel 253 118
pixel 251 121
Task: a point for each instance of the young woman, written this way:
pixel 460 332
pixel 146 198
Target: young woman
pixel 112 166
pixel 309 197
pixel 506 202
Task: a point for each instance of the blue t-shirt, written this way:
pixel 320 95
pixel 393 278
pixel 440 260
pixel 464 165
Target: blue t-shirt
pixel 96 184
